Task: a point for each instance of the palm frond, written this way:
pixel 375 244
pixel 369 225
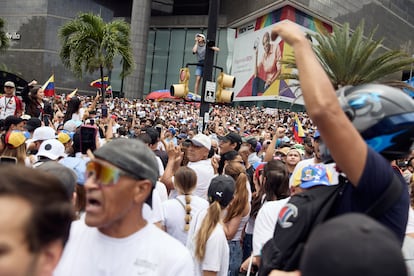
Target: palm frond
pixel 89 44
pixel 349 58
pixel 4 40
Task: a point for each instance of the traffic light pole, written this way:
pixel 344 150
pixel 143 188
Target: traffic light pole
pixel 213 13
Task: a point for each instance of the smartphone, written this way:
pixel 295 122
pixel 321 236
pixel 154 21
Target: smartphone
pixel 104 111
pixel 87 137
pixel 8 160
pixel 46 119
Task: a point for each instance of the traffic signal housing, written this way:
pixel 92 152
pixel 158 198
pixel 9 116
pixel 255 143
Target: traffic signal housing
pixel 181 90
pixel 224 81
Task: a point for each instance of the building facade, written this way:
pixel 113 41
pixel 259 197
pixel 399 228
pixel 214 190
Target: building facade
pixel 163 34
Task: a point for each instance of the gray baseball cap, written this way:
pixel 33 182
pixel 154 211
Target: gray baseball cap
pixel 132 156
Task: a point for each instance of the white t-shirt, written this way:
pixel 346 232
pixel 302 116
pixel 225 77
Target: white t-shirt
pixel 205 172
pixel 160 165
pixel 216 257
pixel 7 106
pixel 154 213
pixel 410 223
pixel 265 223
pixel 174 213
pixel 150 251
pixel 162 191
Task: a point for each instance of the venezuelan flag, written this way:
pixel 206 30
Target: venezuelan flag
pixel 298 132
pixel 109 89
pixel 49 87
pixel 98 83
pixel 72 94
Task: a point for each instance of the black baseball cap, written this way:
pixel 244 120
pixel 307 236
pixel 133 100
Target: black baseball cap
pixel 233 137
pixel 251 141
pixel 221 189
pixel 32 124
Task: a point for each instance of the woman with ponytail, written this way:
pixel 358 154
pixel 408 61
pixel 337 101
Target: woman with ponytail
pixel 237 214
pixel 206 239
pixel 179 211
pixel 273 194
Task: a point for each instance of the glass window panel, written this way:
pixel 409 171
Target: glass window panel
pixel 148 67
pixel 159 69
pixel 176 56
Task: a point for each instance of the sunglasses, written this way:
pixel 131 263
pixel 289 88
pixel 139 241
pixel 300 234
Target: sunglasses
pixel 104 174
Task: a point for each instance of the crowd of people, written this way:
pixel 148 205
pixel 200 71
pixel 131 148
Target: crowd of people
pixel 145 189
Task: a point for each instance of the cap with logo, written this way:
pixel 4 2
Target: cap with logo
pixel 52 149
pixel 221 189
pixel 314 175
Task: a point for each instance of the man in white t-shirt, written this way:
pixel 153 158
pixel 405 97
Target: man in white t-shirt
pixel 10 105
pixel 114 238
pixel 197 155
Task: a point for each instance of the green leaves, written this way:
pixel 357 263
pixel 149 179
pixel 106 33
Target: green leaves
pixel 90 44
pixel 4 40
pixel 349 58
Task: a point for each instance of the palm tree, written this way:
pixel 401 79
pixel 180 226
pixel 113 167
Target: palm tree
pixel 4 40
pixel 350 59
pixel 89 44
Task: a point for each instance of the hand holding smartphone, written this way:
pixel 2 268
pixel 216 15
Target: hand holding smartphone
pixel 104 109
pixel 46 119
pixel 87 137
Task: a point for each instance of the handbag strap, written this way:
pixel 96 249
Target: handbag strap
pixel 387 199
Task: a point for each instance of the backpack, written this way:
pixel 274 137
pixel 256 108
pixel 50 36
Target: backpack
pixel 302 213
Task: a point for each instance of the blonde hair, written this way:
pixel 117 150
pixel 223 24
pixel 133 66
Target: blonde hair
pixel 207 226
pixel 185 180
pixel 19 153
pixel 241 195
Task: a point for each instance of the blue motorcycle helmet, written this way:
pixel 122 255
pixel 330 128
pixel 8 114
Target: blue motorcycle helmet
pixel 383 115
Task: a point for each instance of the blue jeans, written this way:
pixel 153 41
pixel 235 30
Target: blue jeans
pixel 236 255
pixel 199 68
pixel 247 246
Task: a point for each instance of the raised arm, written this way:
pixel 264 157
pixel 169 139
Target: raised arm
pixel 344 142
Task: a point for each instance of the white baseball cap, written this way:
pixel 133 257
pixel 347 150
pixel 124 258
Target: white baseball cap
pixel 9 84
pixel 43 133
pixel 52 149
pixel 201 35
pixel 72 125
pixel 201 140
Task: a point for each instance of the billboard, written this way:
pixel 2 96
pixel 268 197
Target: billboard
pixel 256 57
